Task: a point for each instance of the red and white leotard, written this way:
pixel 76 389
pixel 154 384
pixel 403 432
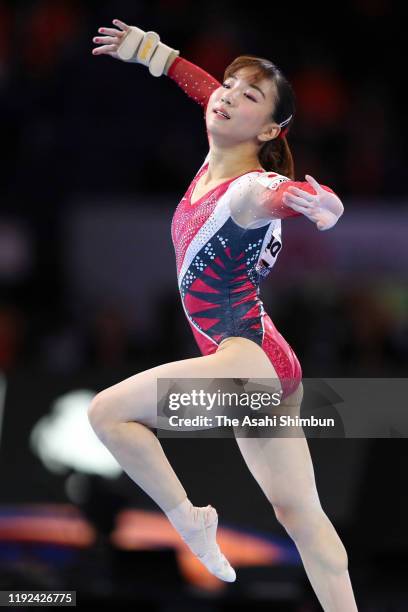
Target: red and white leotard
pixel 220 263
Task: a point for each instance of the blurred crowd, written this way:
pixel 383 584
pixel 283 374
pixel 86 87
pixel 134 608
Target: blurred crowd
pixel 73 125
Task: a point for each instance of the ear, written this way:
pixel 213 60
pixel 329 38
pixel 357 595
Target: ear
pixel 271 132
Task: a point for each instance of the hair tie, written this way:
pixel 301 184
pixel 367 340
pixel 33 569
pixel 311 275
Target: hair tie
pixel 283 133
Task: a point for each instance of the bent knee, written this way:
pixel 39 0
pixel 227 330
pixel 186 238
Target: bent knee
pixel 100 413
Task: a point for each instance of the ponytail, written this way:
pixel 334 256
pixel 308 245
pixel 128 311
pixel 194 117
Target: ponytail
pixel 275 155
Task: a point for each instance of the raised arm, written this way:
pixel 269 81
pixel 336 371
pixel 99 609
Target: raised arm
pixel 273 196
pixel 131 44
pixel 194 81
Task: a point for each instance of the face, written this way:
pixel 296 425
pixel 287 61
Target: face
pixel 249 107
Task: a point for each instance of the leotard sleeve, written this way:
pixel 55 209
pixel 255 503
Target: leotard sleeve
pixel 257 197
pixel 194 81
pixel 267 192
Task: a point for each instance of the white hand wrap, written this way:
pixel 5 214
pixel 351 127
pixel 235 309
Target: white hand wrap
pixel 145 48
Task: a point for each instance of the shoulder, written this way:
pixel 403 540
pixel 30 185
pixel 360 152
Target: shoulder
pixel 272 180
pixel 248 180
pixel 253 185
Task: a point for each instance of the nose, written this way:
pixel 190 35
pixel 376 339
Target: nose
pixel 226 100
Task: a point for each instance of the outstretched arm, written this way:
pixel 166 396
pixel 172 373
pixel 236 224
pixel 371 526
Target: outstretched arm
pixel 277 197
pixel 131 44
pixel 194 81
pixel 316 202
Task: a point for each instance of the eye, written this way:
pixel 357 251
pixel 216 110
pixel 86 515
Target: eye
pixel 251 98
pixel 226 85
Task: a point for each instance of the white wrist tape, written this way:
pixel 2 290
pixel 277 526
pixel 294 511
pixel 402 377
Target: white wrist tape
pixel 159 59
pixel 130 44
pixel 145 48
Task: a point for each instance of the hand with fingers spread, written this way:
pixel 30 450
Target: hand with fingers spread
pixel 324 208
pixel 111 39
pixel 131 44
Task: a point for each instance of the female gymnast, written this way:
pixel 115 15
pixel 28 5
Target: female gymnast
pixel 226 234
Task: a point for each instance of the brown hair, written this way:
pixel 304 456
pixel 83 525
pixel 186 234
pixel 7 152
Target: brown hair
pixel 274 154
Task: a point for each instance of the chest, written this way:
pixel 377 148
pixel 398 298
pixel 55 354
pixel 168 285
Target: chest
pixel 188 219
pixel 200 189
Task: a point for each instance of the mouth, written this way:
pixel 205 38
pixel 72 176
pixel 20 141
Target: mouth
pixel 221 113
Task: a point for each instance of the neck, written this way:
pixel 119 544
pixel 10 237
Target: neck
pixel 229 161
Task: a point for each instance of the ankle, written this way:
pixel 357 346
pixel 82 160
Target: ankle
pixel 186 518
pixel 181 515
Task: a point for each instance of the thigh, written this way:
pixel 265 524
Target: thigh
pixel 283 466
pixel 283 469
pixel 135 398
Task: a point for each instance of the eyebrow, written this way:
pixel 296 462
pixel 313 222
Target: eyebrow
pixel 254 86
